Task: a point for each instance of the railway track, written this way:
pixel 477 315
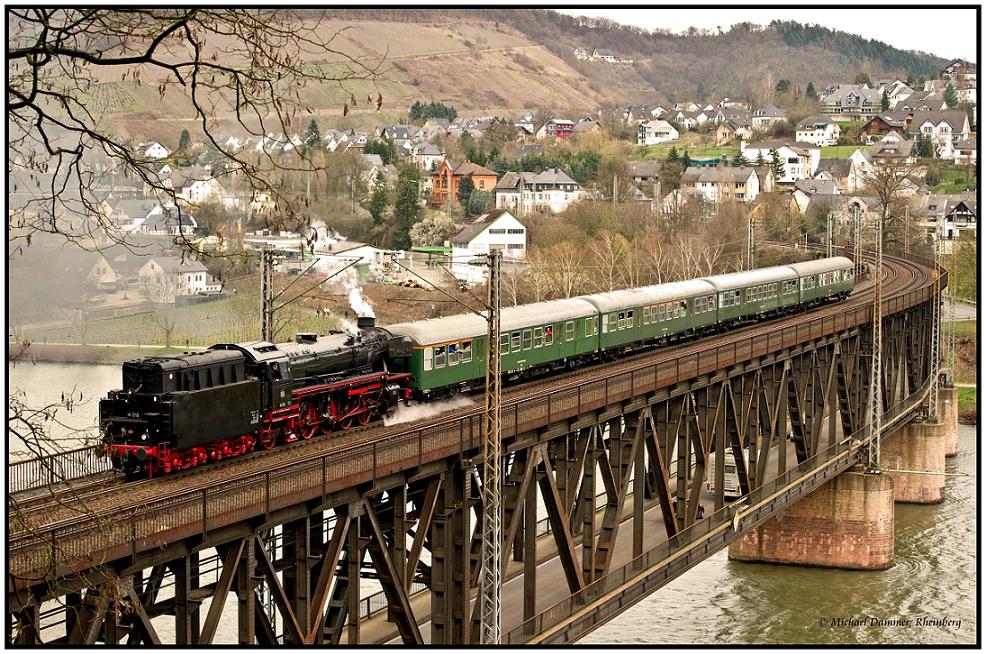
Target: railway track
pixel 100 496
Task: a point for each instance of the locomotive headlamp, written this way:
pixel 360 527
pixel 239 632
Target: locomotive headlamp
pixel 143 436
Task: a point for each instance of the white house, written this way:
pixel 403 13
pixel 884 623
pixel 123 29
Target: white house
pixel 946 129
pixel 549 191
pixel 603 54
pixel 427 156
pixel 800 159
pixel 861 166
pixel 720 183
pixel 818 130
pixel 164 278
pixel 965 152
pixel 165 219
pixel 767 117
pixel 656 131
pixel 495 230
pixel 156 151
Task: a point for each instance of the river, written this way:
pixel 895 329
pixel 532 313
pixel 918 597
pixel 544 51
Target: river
pixel 934 575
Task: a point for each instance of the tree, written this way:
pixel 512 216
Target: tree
pixel 810 92
pixel 951 99
pixel 479 202
pixel 760 161
pixel 184 140
pixel 862 78
pixel 885 101
pixel 777 164
pixel 378 200
pixel 314 134
pixel 386 148
pixel 466 187
pixel 783 86
pixel 925 148
pixel 57 57
pixel 673 155
pixel 686 161
pixel 740 159
pixel 887 182
pixel 434 230
pixel 407 212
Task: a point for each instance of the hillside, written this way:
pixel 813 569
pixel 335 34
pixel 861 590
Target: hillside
pixel 502 60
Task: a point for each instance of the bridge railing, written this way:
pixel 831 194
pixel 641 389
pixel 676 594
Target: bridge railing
pixel 674 552
pixel 126 530
pixel 51 469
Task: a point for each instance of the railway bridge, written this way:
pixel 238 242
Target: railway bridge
pixel 373 536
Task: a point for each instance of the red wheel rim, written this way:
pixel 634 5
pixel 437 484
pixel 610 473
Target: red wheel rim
pixel 268 438
pixel 364 417
pixel 309 421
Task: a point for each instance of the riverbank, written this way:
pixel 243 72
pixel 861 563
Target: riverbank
pixel 72 353
pixel 967 405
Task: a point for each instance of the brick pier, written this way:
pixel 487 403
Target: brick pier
pixel 847 523
pixel 920 447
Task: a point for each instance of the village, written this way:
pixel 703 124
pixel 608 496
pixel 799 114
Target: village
pixel 484 182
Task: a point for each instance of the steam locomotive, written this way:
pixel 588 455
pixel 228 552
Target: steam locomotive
pixel 178 412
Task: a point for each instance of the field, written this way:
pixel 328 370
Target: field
pixel 967 404
pixel 966 346
pixel 838 151
pixel 954 181
pixel 661 150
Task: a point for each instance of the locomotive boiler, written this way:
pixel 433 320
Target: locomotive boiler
pixel 178 412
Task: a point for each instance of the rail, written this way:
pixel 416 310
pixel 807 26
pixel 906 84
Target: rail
pixel 69 543
pixel 750 510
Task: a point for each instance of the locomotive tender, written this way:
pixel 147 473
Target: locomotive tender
pixel 182 411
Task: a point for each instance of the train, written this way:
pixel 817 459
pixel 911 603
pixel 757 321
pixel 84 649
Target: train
pixel 179 412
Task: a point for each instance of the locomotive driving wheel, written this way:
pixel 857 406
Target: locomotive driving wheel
pixel 269 437
pixel 309 420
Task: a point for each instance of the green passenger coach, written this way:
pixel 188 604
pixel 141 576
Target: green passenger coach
pixel 451 352
pixel 823 279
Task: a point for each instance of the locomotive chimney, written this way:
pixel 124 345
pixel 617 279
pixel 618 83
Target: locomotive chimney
pixel 365 322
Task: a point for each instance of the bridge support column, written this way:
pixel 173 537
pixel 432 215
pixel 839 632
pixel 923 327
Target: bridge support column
pixel 847 523
pixel 948 413
pixel 916 449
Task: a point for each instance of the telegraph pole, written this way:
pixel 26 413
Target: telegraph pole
pixel 267 293
pixel 489 592
pixel 876 380
pixel 935 328
pixel 828 237
pixel 857 241
pixel 953 284
pixel 907 219
pixel 749 244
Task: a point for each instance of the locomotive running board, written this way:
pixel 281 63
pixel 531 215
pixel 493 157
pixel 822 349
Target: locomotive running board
pixel 348 384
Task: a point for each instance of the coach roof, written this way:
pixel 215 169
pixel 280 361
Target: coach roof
pixel 750 277
pixel 635 297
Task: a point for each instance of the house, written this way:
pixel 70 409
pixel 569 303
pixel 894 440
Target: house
pixel 494 230
pixel 115 269
pixel 851 100
pixel 552 191
pixel 734 114
pixel 883 124
pixel 604 54
pixel 959 70
pixel 948 215
pixel 427 156
pixel 645 171
pixel 965 152
pixel 806 189
pixel 162 279
pixel 861 167
pixel 636 114
pixel 923 101
pixel 946 128
pixel 196 185
pixel 893 148
pixel 156 151
pixel 818 130
pixel 800 159
pixel 720 183
pixel 128 214
pixel 445 181
pixel 587 126
pixel 166 220
pixel 555 128
pixel 680 199
pixel 581 53
pixel 656 131
pixel 764 119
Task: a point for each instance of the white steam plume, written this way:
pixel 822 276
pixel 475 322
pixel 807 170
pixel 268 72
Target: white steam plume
pixel 429 410
pixel 361 306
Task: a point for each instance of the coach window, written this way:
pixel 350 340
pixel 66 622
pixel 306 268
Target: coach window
pixel 426 357
pixel 570 330
pixel 712 303
pixel 527 339
pixel 538 337
pixel 610 323
pixel 440 357
pixel 630 319
pixel 588 327
pixel 646 318
pixel 466 351
pixel 749 295
pixel 504 344
pixel 684 308
pixel 549 334
pixel 453 354
pixel 515 341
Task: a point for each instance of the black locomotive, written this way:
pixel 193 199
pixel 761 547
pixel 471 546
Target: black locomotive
pixel 178 412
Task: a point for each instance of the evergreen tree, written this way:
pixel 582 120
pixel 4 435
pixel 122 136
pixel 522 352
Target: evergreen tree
pixel 740 159
pixel 407 212
pixel 184 140
pixel 686 161
pixel 760 160
pixel 810 91
pixel 925 147
pixel 777 165
pixel 673 154
pixel 783 86
pixel 479 202
pixel 863 78
pixel 314 135
pixel 951 99
pixel 378 200
pixel 885 101
pixel 466 187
